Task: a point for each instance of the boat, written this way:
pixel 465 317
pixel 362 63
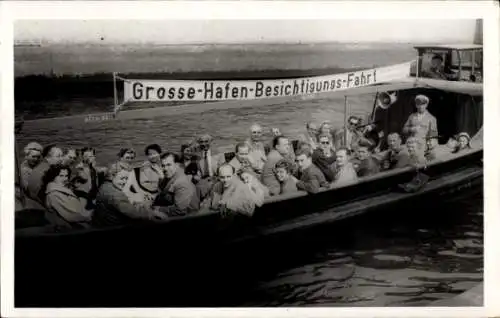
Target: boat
pixel 456 103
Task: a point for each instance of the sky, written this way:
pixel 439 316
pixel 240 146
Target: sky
pixel 243 31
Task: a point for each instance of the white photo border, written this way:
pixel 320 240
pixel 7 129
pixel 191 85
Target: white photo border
pixel 11 11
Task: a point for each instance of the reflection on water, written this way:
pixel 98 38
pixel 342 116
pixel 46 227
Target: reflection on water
pixel 402 258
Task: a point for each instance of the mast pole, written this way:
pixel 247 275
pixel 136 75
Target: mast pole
pixel 345 121
pixel 115 94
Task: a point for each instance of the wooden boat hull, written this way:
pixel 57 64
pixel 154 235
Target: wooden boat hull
pixel 134 254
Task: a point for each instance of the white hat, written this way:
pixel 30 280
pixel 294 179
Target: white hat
pixel 422 98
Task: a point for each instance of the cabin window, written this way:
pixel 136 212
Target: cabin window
pixel 469 62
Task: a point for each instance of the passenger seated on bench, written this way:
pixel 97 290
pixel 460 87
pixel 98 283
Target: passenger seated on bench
pixel 125 158
pixel 143 183
pixel 281 147
pixel 415 155
pixel 178 195
pixel 396 153
pixel 189 163
pixel 311 179
pixel 207 164
pixel 113 206
pixel 230 194
pixel 283 171
pixel 52 156
pixel 364 163
pixel 257 147
pixel 311 136
pixel 433 149
pixel 242 160
pixel 257 189
pixel 343 169
pixel 324 156
pixel 32 157
pixel 463 142
pixel 64 208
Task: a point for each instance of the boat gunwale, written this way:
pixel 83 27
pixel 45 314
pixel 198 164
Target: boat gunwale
pixel 203 213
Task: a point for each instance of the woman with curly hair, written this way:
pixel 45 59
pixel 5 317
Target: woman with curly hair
pixel 64 208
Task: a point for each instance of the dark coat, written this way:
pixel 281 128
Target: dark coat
pixel 178 196
pixel 311 179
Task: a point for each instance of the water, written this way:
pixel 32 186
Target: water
pixel 406 257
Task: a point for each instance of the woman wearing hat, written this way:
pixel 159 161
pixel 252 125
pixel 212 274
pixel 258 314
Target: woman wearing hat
pixel 463 142
pixel 421 123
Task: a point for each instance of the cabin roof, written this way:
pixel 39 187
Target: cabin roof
pixel 460 47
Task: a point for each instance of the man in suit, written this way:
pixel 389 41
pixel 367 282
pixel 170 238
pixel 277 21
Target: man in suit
pixel 208 165
pixel 178 195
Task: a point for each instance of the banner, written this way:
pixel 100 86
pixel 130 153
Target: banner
pixel 137 90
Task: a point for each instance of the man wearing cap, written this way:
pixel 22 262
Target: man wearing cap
pixel 32 157
pixel 421 123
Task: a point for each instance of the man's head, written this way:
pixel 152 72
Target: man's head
pixel 256 132
pixel 421 102
pixel 353 122
pixel 241 151
pixel 204 142
pixel 153 152
pixel 282 170
pixel 281 145
pixel 303 159
pixel 436 61
pixel 53 155
pixel 170 163
pixel 88 156
pixel 363 152
pixel 33 153
pixel 342 156
pixel 324 142
pixel 226 173
pixel 394 141
pixel 70 157
pixel 325 128
pixel 312 129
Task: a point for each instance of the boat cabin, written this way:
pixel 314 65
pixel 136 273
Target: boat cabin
pixel 460 62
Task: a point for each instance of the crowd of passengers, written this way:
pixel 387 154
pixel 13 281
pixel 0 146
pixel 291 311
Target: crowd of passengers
pixel 76 192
